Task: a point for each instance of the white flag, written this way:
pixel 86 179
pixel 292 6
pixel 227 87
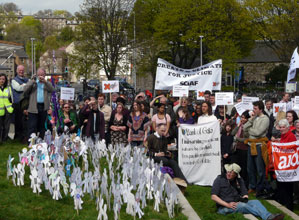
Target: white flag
pixel 294 64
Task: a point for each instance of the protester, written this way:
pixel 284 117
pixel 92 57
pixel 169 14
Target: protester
pixel 230 194
pixel 296 131
pixel 221 115
pixel 257 127
pixel 138 124
pixel 241 149
pixel 227 140
pixel 207 95
pixel 95 127
pixel 157 149
pixel 118 126
pixel 197 112
pixel 18 83
pixel 285 189
pixel 206 113
pixel 161 118
pixel 184 117
pixel 6 109
pixel 39 91
pixel 291 117
pixel 83 119
pixel 106 110
pixel 275 130
pixel 68 118
pixel 213 104
pixel 268 107
pixel 50 120
pixel 122 100
pixel 183 103
pixel 114 97
pixel 286 99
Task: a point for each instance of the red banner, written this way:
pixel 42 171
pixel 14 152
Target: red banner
pixel 286 161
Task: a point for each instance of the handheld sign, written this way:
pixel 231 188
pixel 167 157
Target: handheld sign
pixel 224 98
pixel 200 95
pixel 110 86
pixel 247 102
pixel 279 107
pixel 240 108
pixel 180 91
pixel 67 93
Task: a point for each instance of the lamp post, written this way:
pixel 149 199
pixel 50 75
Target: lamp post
pixel 34 60
pixel 134 55
pixel 201 49
pixel 32 57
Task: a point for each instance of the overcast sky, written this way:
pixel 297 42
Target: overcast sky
pixel 33 6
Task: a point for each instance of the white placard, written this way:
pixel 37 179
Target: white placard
pixel 180 91
pixel 67 93
pixel 206 77
pixel 247 102
pixel 110 86
pixel 200 95
pixel 240 108
pixel 291 87
pixel 224 98
pixel 199 152
pixel 279 107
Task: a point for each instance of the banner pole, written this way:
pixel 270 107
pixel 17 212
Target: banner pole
pixel 224 113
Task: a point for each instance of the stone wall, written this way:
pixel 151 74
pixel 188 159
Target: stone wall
pixel 144 82
pixel 257 71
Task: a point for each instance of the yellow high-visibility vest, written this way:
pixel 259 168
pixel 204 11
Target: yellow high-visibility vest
pixel 4 101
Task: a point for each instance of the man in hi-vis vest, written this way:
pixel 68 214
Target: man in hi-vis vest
pixel 6 109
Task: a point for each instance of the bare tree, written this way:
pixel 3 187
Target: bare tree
pixel 103 31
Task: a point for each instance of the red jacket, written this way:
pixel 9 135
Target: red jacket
pixel 288 137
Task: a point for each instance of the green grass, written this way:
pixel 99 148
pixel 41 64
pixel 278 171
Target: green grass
pixel 22 203
pixel 199 198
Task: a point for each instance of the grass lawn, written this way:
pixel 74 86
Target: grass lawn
pixel 200 199
pixel 22 203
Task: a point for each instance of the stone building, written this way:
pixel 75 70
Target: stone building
pixel 259 63
pixel 11 55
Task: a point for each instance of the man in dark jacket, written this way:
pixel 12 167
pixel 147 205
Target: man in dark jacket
pixel 157 147
pixel 230 194
pixel 95 127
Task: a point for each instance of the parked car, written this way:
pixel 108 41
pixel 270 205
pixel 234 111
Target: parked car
pixel 93 83
pixel 62 83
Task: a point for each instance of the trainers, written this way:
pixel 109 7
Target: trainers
pixel 276 217
pixel 251 191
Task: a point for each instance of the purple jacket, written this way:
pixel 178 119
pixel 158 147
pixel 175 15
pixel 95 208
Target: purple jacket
pixel 100 122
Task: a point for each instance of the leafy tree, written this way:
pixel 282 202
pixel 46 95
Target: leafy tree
pixel 44 13
pixel 34 24
pixel 9 7
pixel 50 43
pixel 66 35
pixel 62 13
pixel 103 31
pixel 278 73
pixel 277 23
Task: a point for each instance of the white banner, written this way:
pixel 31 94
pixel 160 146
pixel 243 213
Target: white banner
pixel 206 77
pixel 224 98
pixel 294 64
pixel 180 91
pixel 199 152
pixel 110 86
pixel 67 93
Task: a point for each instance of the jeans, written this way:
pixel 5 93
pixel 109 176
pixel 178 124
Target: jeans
pixel 256 166
pixel 253 207
pixel 36 122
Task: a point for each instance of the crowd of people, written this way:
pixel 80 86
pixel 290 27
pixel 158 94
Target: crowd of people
pixel 153 125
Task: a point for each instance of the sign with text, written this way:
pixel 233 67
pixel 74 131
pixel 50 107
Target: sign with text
pixel 67 93
pixel 199 152
pixel 206 77
pixel 180 91
pixel 279 107
pixel 247 102
pixel 240 108
pixel 286 161
pixel 110 86
pixel 224 98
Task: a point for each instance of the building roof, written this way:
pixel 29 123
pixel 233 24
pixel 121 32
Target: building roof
pixel 7 45
pixel 261 53
pixel 18 52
